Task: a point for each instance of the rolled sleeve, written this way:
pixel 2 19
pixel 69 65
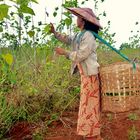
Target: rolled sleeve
pixel 64 38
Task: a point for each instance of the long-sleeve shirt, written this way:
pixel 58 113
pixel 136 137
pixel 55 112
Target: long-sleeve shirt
pixel 83 51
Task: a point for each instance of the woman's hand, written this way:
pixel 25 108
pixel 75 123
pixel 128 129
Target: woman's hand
pixel 60 51
pixel 52 30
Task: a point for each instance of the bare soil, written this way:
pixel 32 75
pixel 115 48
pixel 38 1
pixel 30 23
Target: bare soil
pixel 122 126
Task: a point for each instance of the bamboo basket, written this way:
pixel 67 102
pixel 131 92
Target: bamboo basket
pixel 120 87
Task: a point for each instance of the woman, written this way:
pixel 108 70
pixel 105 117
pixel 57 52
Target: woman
pixel 83 56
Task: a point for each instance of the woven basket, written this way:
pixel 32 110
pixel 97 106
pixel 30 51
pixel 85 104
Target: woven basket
pixel 120 87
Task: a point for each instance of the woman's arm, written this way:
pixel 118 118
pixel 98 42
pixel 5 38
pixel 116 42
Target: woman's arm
pixel 87 46
pixel 63 38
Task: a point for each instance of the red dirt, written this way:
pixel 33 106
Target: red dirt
pixel 21 130
pixel 114 127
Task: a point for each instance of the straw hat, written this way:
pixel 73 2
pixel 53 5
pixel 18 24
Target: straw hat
pixel 85 13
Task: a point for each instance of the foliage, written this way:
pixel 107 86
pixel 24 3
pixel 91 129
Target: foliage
pixel 31 35
pixel 9 114
pixel 7 76
pixel 134 39
pixel 3 11
pixel 106 36
pixel 33 80
pixel 35 92
pixel 18 37
pixel 42 85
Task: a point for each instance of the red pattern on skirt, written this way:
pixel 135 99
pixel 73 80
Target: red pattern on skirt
pixel 89 109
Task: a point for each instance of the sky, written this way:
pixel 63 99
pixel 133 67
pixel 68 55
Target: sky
pixel 123 15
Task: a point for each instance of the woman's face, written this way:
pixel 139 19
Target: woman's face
pixel 80 23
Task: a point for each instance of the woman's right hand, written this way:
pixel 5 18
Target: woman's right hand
pixel 52 30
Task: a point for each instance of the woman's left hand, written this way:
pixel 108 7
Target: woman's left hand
pixel 60 51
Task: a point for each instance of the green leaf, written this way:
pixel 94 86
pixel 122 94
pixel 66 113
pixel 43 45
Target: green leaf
pixel 47 29
pixel 23 2
pixel 21 15
pixel 31 33
pixel 12 78
pixel 3 11
pixel 108 22
pixel 102 0
pixel 1 29
pixel 55 14
pixel 56 8
pixel 68 21
pixel 35 1
pixel 26 9
pixel 8 58
pixel 104 14
pixel 67 14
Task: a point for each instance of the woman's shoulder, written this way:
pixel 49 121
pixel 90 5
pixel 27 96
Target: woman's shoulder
pixel 88 34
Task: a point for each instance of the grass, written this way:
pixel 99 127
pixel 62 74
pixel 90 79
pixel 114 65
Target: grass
pixel 109 57
pixel 42 83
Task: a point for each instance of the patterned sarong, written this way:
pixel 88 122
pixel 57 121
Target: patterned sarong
pixel 89 109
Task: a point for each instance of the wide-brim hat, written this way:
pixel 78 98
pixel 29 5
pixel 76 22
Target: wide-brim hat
pixel 85 13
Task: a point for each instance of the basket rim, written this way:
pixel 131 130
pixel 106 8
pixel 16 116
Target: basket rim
pixel 118 63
